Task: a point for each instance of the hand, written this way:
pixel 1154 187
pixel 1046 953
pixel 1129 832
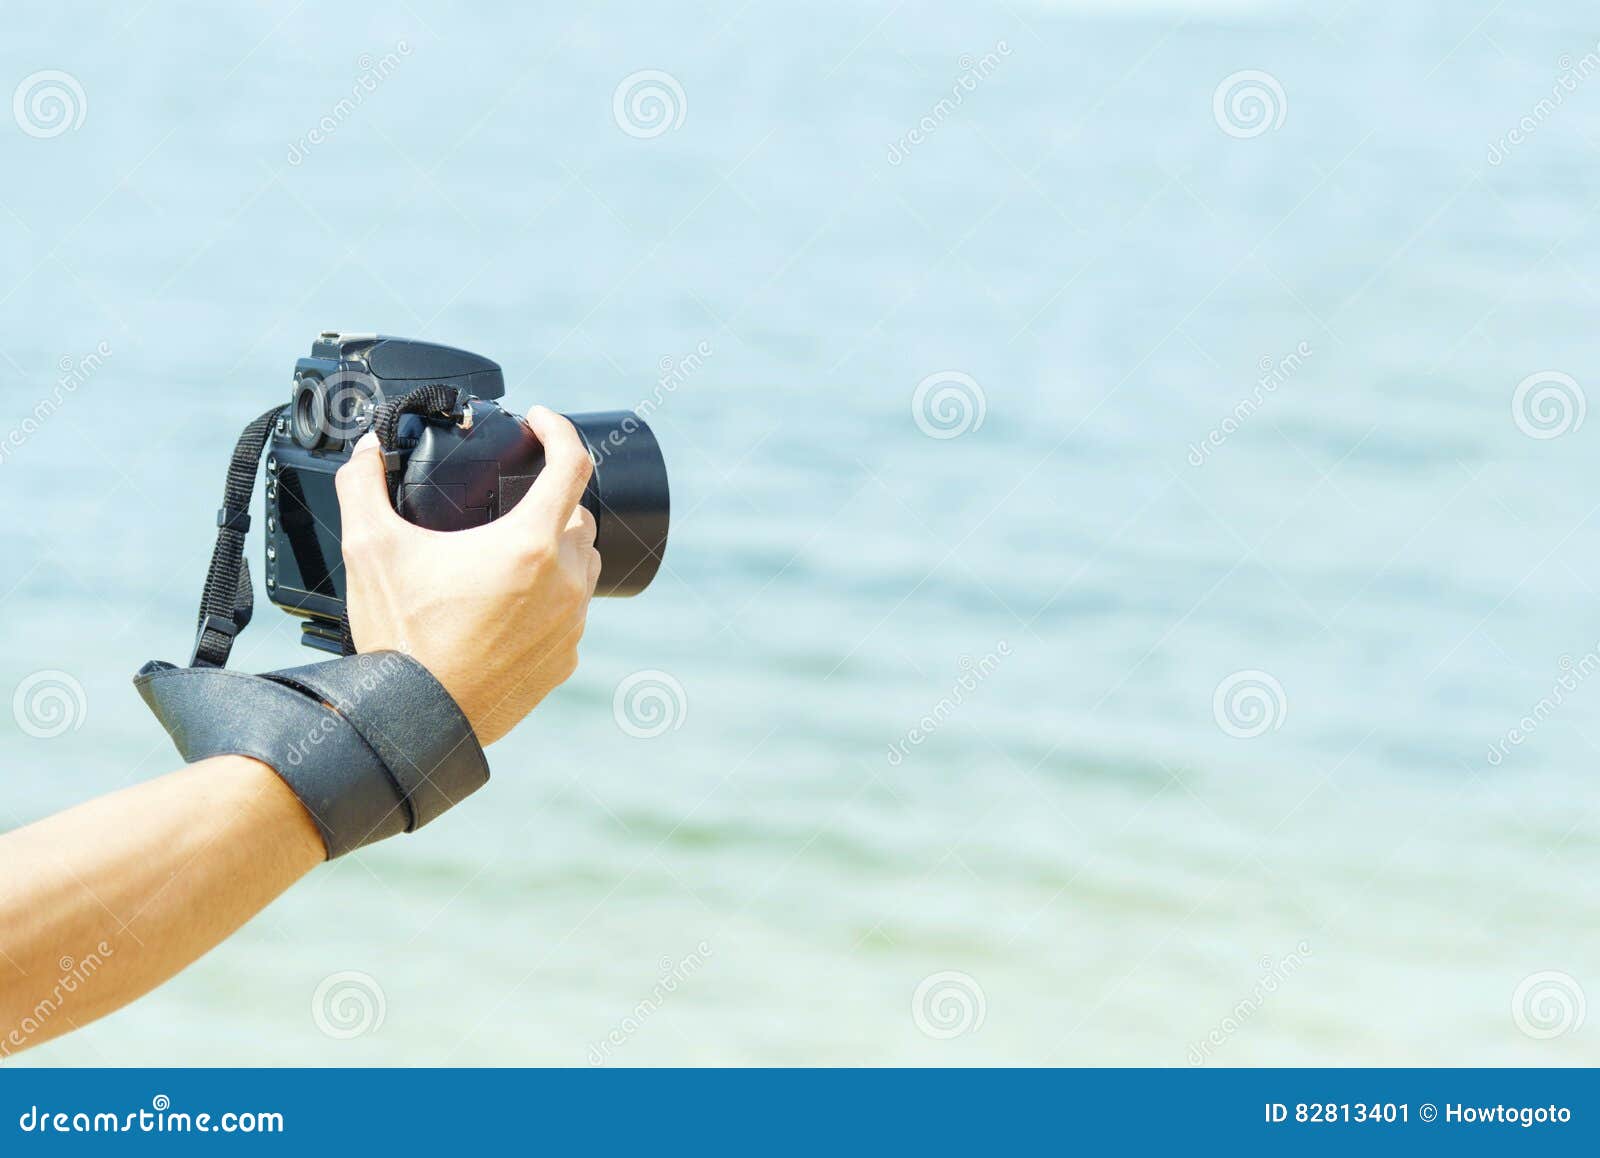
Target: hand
pixel 495 612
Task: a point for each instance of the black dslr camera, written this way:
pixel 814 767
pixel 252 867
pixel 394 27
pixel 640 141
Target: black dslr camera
pixel 455 460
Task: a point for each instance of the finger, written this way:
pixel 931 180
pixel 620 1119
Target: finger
pixel 364 489
pixel 594 571
pixel 581 527
pixel 560 484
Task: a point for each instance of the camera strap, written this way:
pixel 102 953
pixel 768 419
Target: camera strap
pixel 433 401
pixel 372 745
pixel 228 602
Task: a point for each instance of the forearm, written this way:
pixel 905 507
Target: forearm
pixel 107 900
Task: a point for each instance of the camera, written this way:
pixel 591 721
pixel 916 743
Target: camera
pixel 455 459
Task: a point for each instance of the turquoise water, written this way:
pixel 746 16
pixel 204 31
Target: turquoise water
pixel 1113 872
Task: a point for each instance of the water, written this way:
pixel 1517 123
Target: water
pixel 1117 874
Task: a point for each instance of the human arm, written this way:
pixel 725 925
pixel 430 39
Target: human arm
pixel 105 901
pixel 161 872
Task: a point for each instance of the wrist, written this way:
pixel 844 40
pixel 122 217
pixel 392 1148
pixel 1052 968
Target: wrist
pixel 371 746
pixel 253 791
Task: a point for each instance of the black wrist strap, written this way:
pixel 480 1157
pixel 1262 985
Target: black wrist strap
pixel 372 745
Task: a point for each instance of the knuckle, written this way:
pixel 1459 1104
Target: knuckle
pixel 561 426
pixel 536 555
pixel 576 471
pixel 355 542
pixel 568 593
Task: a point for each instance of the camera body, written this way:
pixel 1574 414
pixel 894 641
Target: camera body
pixel 446 475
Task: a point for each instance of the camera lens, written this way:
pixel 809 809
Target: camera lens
pixel 629 498
pixel 309 418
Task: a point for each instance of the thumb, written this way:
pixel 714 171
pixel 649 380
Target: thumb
pixel 364 489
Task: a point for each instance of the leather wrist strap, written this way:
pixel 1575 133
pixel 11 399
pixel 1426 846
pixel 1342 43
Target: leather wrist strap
pixel 372 745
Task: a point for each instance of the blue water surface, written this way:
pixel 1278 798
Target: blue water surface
pixel 1117 526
